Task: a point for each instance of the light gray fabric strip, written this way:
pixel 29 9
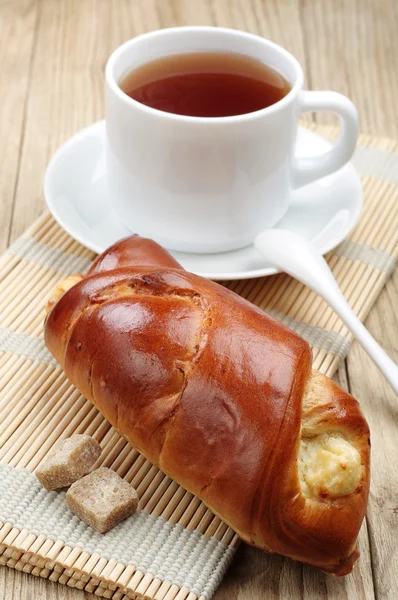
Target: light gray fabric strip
pixel 377 257
pixel 46 256
pixel 25 345
pixel 332 342
pixel 34 348
pixel 151 544
pixel 375 162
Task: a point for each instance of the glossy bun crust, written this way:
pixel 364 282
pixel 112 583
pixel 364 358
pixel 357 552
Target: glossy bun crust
pixel 215 393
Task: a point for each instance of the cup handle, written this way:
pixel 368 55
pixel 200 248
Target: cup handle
pixel 308 169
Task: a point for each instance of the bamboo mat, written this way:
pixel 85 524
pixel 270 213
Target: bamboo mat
pixel 173 548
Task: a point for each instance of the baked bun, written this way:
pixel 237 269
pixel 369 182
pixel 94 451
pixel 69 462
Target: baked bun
pixel 219 396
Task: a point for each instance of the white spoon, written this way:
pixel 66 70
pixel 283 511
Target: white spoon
pixel 299 258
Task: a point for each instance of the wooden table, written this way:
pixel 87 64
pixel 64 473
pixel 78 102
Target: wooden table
pixel 52 57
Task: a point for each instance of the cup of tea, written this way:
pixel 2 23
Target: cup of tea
pixel 201 127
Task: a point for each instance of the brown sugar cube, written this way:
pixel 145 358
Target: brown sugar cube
pixel 102 499
pixel 69 460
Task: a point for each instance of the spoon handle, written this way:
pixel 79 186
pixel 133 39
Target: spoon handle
pixel 367 341
pixel 300 259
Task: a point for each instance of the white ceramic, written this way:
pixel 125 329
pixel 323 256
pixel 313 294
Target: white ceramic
pixel 76 193
pixel 299 258
pixel 212 184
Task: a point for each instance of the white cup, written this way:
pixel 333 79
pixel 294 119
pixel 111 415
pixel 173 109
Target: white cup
pixel 199 184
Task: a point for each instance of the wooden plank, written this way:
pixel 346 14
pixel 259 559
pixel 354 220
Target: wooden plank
pixel 380 406
pixel 17 26
pixel 65 93
pixel 256 575
pixel 352 48
pixel 74 40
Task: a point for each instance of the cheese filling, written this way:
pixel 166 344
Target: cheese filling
pixel 329 466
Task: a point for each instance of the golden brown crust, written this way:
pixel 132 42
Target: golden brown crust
pixel 133 250
pixel 210 389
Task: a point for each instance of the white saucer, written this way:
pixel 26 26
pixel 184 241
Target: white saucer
pixel 76 193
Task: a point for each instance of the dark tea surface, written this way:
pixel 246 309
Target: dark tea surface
pixel 206 84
